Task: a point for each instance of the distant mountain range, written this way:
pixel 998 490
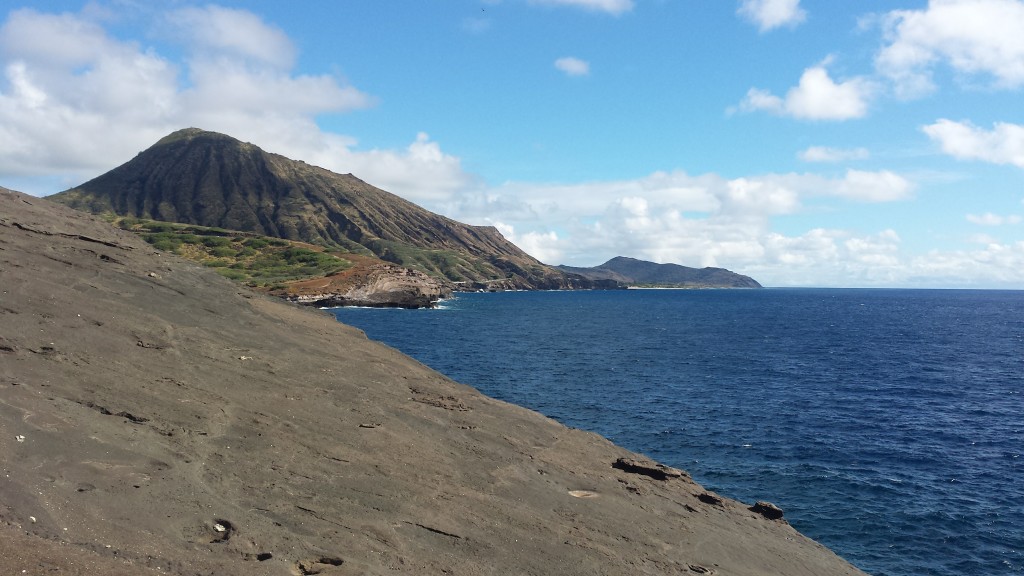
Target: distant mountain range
pixel 632 272
pixel 203 178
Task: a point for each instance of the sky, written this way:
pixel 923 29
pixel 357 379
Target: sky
pixel 801 142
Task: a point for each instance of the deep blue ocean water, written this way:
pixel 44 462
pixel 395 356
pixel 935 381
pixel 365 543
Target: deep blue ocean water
pixel 888 424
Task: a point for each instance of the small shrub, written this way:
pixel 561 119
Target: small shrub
pixel 231 274
pixel 216 241
pixel 165 244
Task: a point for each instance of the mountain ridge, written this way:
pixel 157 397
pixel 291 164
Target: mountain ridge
pixel 193 176
pixel 634 272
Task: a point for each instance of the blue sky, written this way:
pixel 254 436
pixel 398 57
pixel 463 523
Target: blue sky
pixel 802 142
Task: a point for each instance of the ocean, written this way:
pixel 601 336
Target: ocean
pixel 887 424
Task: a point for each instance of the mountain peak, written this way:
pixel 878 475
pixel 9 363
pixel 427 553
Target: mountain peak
pixel 193 176
pixel 185 134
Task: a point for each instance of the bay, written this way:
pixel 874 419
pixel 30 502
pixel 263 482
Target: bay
pixel 888 424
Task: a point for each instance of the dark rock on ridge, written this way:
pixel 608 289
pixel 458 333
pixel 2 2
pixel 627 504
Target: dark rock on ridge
pixel 312 448
pixel 648 468
pixel 768 510
pixel 630 271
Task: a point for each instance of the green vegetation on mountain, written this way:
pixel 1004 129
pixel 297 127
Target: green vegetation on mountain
pixel 257 261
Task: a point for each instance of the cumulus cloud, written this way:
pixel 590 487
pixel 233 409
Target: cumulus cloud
pixel 816 97
pixel 215 31
pixel 422 173
pixel 573 66
pixel 1004 144
pixel 614 7
pixel 880 250
pixel 77 101
pixel 990 219
pixel 992 265
pixel 70 94
pixel 771 14
pixel 881 186
pixel 703 220
pixel 543 246
pixel 827 154
pixel 974 37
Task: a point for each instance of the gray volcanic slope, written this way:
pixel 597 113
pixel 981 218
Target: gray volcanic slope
pixel 197 177
pixel 157 418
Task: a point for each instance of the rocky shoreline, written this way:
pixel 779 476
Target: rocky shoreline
pixel 371 284
pixel 376 286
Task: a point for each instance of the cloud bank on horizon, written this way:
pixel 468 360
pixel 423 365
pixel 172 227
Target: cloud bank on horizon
pixel 803 143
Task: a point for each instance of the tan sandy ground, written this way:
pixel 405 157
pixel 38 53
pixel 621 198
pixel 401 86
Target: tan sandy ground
pixel 157 418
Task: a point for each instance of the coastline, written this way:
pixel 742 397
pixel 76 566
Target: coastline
pixel 160 417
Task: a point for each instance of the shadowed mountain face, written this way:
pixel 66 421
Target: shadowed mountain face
pixel 204 178
pixel 639 272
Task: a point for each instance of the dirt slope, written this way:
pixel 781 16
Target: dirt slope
pixel 156 418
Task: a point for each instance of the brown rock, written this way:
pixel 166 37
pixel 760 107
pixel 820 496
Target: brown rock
pixel 648 468
pixel 373 285
pixel 768 510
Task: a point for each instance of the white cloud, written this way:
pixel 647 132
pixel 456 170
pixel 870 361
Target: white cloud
pixel 77 101
pixel 215 31
pixel 993 265
pixel 422 173
pixel 971 36
pixel 573 66
pixel 816 97
pixel 881 186
pixel 543 246
pixel 701 220
pixel 72 98
pixel 771 14
pixel 983 239
pixel 990 219
pixel 614 7
pixel 879 251
pixel 827 154
pixel 1004 144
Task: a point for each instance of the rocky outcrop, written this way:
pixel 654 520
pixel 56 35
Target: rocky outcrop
pixel 768 510
pixel 377 286
pixel 648 468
